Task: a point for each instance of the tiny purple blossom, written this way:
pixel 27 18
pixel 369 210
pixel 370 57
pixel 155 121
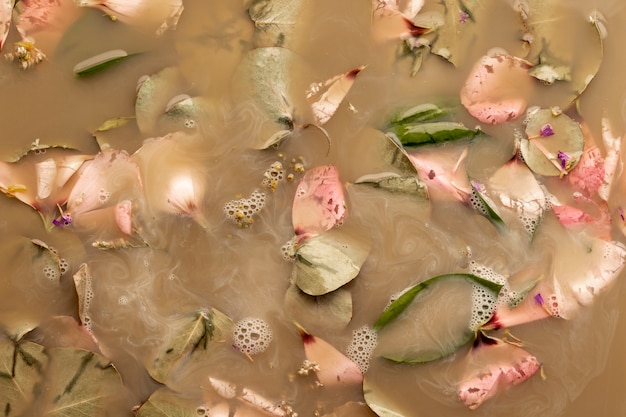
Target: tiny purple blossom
pixel 463 17
pixel 621 213
pixel 563 157
pixel 539 299
pixel 546 130
pixel 64 220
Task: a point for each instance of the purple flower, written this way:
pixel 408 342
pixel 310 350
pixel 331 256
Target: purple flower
pixel 563 157
pixel 539 299
pixel 64 220
pixel 463 17
pixel 546 130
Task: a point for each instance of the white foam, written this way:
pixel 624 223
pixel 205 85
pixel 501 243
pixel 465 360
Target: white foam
pixel 361 347
pixel 252 335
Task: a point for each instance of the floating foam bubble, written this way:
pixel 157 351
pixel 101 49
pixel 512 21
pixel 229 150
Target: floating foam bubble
pixel 242 211
pixel 361 347
pixel 484 304
pixel 252 335
pixel 51 273
pixel 289 254
pixel 477 204
pixel 103 196
pixel 273 176
pixel 123 300
pixel 64 266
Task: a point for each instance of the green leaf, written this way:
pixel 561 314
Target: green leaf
pixel 79 383
pixel 416 134
pixel 541 153
pixel 99 62
pixel 191 337
pixel 22 367
pixel 450 308
pixel 328 261
pixel 483 204
pixel 113 123
pixel 332 310
pixel 376 399
pixel 418 114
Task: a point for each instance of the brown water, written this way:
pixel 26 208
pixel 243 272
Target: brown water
pixel 240 271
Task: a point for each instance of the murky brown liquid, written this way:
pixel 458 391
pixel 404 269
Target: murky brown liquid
pixel 241 271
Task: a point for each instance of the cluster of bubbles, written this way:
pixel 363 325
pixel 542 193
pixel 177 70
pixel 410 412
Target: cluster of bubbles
pixel 51 272
pixel 484 302
pixel 242 211
pixel 361 347
pixel 103 196
pixel 252 335
pixel 273 176
pixel 476 200
pixel 530 223
pixel 288 250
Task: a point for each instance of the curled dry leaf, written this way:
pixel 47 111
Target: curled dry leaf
pixel 491 367
pixel 497 89
pixel 319 203
pixel 334 367
pixel 150 15
pixel 325 104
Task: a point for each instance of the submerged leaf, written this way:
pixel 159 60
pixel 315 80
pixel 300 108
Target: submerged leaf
pixel 416 134
pixel 22 369
pixel 497 89
pixel 167 403
pixel 483 204
pixel 332 310
pixel 421 113
pixel 274 21
pixel 541 153
pixel 99 62
pixel 395 183
pixel 191 336
pixel 328 261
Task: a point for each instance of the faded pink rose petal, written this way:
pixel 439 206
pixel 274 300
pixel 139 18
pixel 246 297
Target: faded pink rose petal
pixel 124 216
pixel 497 89
pixel 111 175
pixel 591 216
pixel 150 15
pixel 588 175
pixel 333 367
pixel 443 172
pixel 532 308
pixel 6 10
pixel 491 367
pixel 319 203
pixel 45 21
pixel 325 105
pixel 389 23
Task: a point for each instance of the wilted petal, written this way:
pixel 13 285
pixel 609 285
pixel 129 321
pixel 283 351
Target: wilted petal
pixel 493 366
pixel 612 144
pixel 497 89
pixel 338 87
pixel 152 15
pixel 389 23
pixel 319 203
pixel 443 172
pixel 45 21
pixel 532 308
pixel 6 10
pixel 334 367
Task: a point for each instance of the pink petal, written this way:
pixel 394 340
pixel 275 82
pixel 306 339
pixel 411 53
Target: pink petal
pixel 588 175
pixel 337 88
pixel 6 10
pixel 110 174
pixel 334 367
pixel 531 309
pixel 497 89
pixel 493 366
pixel 45 21
pixel 443 172
pixel 123 216
pixel 319 203
pixel 389 23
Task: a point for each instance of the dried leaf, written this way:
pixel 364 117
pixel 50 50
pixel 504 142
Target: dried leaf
pixel 552 154
pixel 274 21
pixel 22 369
pixel 497 89
pixel 328 261
pixel 84 290
pixel 191 336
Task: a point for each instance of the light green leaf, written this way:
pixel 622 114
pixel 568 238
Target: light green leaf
pixel 328 261
pixel 421 113
pixel 22 367
pixel 541 153
pixel 332 310
pixel 443 320
pixel 395 183
pixel 377 399
pixel 416 134
pixel 483 204
pixel 191 337
pixel 79 383
pixel 99 62
pixel 166 403
pixel 113 123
